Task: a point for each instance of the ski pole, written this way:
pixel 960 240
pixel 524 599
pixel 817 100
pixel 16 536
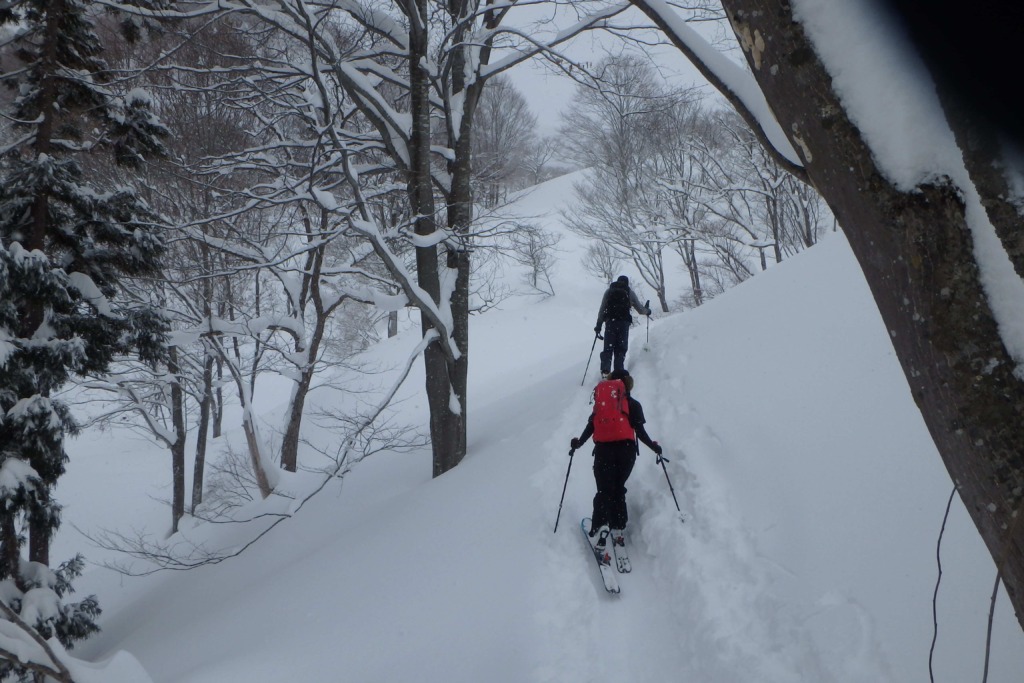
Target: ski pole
pixel 661 461
pixel 597 335
pixel 566 484
pixel 648 307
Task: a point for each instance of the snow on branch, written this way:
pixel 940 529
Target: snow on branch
pixel 735 83
pixel 440 318
pixel 442 321
pixel 591 21
pixel 90 292
pixel 22 644
pixel 375 21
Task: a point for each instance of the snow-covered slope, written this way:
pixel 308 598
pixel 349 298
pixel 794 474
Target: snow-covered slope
pixel 811 493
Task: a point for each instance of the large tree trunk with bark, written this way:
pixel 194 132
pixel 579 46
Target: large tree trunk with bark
pixel 460 220
pixel 987 165
pixel 447 427
pixel 917 254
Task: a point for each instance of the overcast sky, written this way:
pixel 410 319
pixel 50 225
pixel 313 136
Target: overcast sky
pixel 549 93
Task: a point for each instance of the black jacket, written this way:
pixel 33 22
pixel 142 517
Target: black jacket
pixel 603 313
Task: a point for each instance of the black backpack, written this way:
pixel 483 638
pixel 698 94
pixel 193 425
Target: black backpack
pixel 617 307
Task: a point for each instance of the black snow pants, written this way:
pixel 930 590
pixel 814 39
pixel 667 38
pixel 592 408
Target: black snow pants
pixel 613 463
pixel 616 343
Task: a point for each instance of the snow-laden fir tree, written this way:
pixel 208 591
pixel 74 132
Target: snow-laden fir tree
pixel 65 246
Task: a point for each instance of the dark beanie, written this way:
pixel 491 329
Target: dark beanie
pixel 623 280
pixel 626 378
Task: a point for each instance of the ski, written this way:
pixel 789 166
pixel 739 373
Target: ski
pixel 621 556
pixel 604 559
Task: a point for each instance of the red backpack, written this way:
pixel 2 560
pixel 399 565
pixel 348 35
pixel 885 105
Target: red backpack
pixel 611 412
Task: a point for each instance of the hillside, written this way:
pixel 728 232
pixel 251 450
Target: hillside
pixel 811 493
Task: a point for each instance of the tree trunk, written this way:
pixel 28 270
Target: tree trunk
pixel 218 401
pixel 312 298
pixel 445 425
pixel 290 441
pixel 11 558
pixel 986 163
pixel 694 268
pixel 205 405
pixel 293 430
pixel 249 426
pixel 252 440
pixel 663 299
pixel 178 447
pixel 460 262
pixel 460 219
pixel 917 254
pixel 40 534
pixel 33 312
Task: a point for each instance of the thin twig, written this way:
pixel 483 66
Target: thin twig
pixel 988 633
pixel 938 580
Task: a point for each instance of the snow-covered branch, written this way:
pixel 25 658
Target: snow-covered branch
pixel 735 83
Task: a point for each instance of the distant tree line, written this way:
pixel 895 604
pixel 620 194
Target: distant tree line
pixel 668 175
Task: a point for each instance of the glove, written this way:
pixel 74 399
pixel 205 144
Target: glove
pixel 597 329
pixel 648 313
pixel 575 444
pixel 657 448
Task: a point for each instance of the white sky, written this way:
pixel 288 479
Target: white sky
pixel 550 93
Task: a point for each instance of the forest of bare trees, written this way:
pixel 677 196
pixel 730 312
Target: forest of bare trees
pixel 668 174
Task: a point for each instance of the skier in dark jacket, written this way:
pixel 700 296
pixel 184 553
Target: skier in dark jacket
pixel 615 315
pixel 613 463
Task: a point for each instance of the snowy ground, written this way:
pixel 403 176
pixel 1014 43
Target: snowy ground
pixel 811 492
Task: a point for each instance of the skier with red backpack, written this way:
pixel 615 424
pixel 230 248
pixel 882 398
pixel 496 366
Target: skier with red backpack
pixel 615 315
pixel 616 423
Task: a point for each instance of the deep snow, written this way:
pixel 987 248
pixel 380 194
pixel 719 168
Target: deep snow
pixel 812 496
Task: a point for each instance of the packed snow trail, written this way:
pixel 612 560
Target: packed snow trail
pixel 693 602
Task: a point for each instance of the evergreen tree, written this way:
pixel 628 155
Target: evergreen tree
pixel 65 247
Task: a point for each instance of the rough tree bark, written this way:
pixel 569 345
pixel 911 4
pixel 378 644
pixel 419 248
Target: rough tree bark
pixel 917 254
pixel 460 207
pixel 447 428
